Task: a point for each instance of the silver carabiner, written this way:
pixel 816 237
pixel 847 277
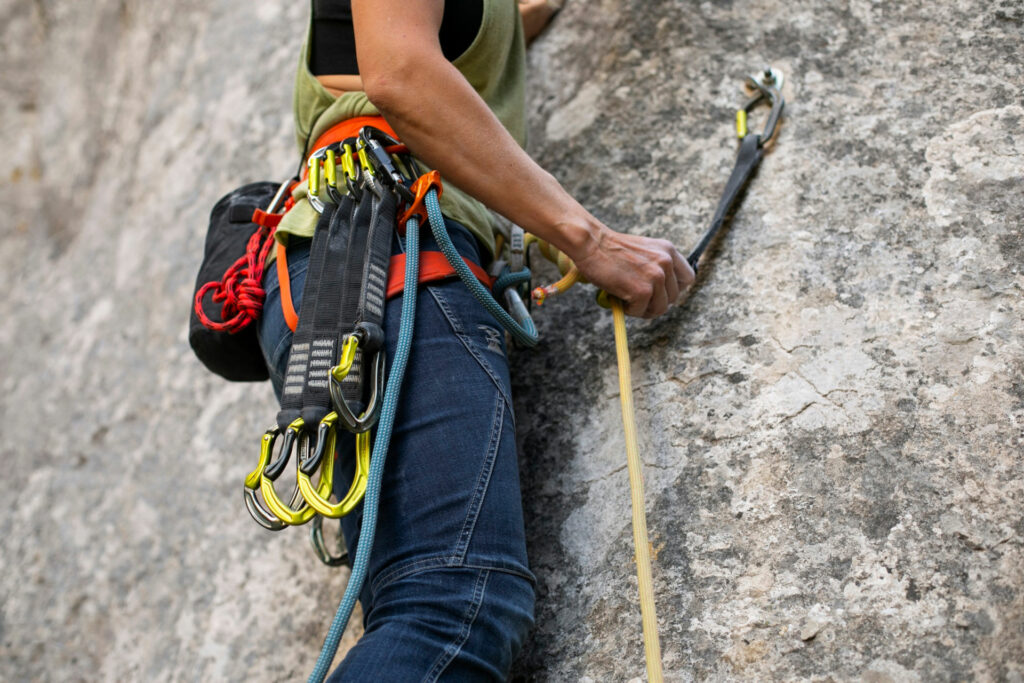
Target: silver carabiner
pixel 766 85
pixel 316 537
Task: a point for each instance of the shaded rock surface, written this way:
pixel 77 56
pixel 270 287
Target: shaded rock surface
pixel 832 425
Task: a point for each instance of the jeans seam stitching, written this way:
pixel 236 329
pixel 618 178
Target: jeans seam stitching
pixel 454 647
pixel 404 570
pixel 483 482
pixel 459 331
pixel 441 562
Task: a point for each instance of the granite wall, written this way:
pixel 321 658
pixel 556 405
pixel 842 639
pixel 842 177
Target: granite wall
pixel 832 424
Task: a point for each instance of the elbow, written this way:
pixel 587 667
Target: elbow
pixel 395 84
pixel 384 90
pixel 388 89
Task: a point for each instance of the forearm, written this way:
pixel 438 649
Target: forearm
pixel 436 112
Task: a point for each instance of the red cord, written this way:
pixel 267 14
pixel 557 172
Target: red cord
pixel 241 290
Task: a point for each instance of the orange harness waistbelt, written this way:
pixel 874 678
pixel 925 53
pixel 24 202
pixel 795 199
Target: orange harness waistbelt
pixel 433 264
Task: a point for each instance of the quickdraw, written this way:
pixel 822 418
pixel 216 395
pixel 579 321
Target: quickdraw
pixel 766 86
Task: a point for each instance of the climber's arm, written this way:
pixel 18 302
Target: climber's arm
pixel 536 14
pixel 441 118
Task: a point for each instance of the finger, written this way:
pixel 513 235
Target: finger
pixel 638 304
pixel 637 309
pixel 671 282
pixel 658 303
pixel 684 272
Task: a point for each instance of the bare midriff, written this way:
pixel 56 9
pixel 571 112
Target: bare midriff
pixel 339 84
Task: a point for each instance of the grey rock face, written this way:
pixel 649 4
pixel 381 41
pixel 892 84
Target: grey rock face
pixel 832 424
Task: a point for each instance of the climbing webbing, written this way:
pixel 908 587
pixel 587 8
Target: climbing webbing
pixel 766 86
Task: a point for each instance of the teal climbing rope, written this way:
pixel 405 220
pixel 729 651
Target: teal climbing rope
pixel 525 334
pixel 371 501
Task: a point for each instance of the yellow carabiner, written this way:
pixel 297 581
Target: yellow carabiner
pixel 348 356
pixel 265 518
pixel 331 170
pixel 363 160
pixel 283 512
pixel 314 177
pixel 316 499
pixel 348 164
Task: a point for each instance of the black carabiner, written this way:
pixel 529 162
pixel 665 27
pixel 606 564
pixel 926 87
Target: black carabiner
pixel 374 140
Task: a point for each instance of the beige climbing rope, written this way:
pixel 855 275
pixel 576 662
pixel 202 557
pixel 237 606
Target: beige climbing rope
pixel 652 648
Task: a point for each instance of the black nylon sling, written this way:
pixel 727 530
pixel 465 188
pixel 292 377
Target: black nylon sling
pixel 747 159
pixel 297 369
pixel 344 292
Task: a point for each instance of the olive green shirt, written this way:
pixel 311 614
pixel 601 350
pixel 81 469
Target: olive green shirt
pixel 494 64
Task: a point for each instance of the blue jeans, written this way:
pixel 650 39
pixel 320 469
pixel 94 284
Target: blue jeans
pixel 449 595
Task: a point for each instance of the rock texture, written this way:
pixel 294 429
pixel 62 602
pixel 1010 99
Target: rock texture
pixel 832 424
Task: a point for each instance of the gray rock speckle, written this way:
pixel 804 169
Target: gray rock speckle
pixel 832 425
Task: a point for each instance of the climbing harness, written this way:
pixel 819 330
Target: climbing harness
pixel 369 191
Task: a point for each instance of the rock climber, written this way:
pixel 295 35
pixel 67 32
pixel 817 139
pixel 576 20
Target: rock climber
pixel 449 593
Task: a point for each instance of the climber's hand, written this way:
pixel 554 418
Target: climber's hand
pixel 536 15
pixel 647 274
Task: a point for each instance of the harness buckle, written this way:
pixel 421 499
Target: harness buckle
pixel 419 189
pixel 764 86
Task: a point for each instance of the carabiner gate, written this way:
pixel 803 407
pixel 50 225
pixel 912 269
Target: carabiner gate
pixel 377 379
pixel 766 86
pixel 318 499
pixel 377 161
pixel 253 481
pixel 294 436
